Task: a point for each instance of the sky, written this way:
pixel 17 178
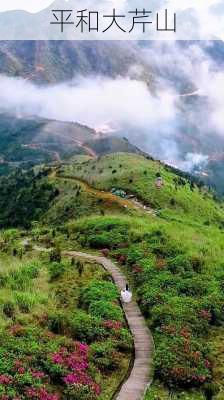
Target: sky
pixel 28 5
pixel 197 19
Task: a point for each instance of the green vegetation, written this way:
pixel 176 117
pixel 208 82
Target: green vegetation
pixel 180 198
pixel 24 197
pixel 178 283
pixel 52 334
pixel 169 242
pixel 174 259
pixel 75 200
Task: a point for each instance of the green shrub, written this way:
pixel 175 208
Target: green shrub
pixel 57 322
pixel 214 303
pixel 179 264
pixel 105 310
pixel 3 280
pixel 105 239
pixel 80 267
pixel 31 270
pixel 9 309
pixel 21 279
pixel 135 253
pixel 80 392
pixel 180 362
pixel 180 311
pixel 56 270
pixel 193 286
pixel 124 340
pixel 102 232
pixel 98 290
pixel 85 327
pixel 104 356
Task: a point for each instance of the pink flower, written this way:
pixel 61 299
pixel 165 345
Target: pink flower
pixel 71 379
pixel 40 394
pixel 18 364
pixel 57 358
pixel 112 324
pixel 38 374
pixel 207 364
pixel 5 380
pixel 21 370
pixel 205 314
pixel 75 363
pixel 96 389
pixel 83 347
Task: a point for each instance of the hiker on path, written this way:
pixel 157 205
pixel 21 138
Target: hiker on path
pixel 126 295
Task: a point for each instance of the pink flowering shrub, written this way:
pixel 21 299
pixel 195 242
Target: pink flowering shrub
pixel 74 364
pixel 40 394
pixel 40 371
pixel 25 381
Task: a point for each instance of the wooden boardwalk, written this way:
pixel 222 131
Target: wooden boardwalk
pixel 140 377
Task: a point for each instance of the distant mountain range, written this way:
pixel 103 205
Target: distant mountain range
pixel 56 61
pixel 33 140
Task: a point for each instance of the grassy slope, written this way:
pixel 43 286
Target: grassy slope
pixel 136 175
pixel 191 220
pixel 76 199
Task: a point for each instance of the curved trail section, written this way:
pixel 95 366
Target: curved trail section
pixel 133 204
pixel 135 386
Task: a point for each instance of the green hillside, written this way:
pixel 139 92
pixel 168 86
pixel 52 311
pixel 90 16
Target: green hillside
pixel 174 256
pixel 179 198
pixel 29 141
pixel 167 240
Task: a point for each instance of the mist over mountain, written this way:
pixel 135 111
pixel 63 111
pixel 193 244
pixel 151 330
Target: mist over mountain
pixel 166 98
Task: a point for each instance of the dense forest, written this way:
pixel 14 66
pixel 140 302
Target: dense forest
pixel 24 197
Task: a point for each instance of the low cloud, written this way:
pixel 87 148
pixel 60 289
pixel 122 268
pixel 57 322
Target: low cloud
pixel 193 160
pixel 90 101
pixel 178 118
pixel 120 105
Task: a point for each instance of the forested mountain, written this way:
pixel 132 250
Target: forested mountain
pixel 56 61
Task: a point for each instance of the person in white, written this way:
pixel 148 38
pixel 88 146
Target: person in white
pixel 126 295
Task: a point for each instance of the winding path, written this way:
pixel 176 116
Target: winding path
pixel 140 377
pixel 129 203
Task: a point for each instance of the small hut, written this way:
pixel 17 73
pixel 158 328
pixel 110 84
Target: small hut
pixel 159 182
